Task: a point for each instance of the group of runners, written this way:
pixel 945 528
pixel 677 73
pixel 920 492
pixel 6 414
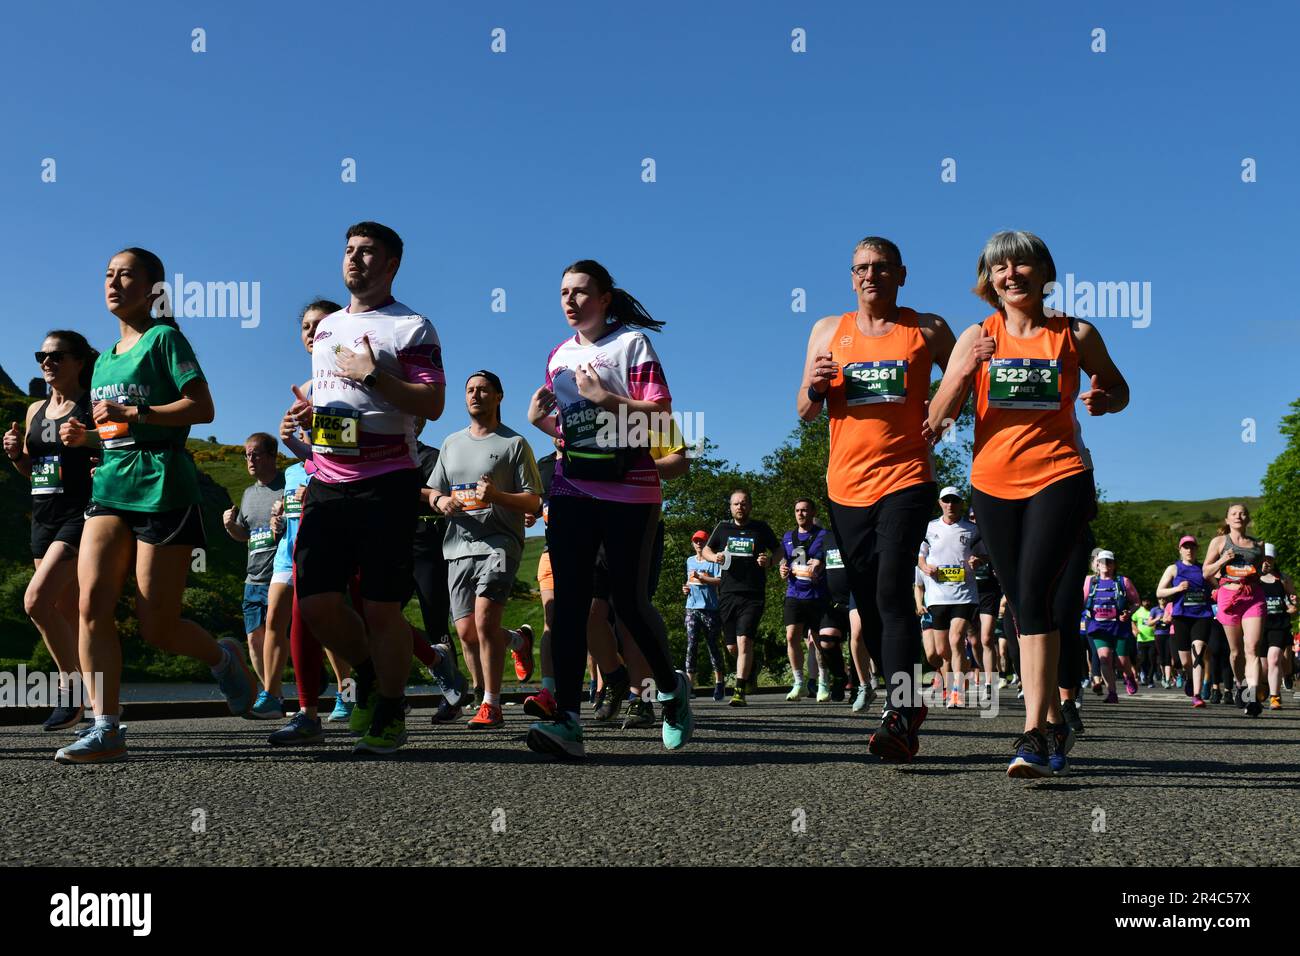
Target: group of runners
pixel 370 516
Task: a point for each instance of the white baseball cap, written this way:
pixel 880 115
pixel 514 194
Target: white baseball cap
pixel 1105 555
pixel 1270 551
pixel 950 492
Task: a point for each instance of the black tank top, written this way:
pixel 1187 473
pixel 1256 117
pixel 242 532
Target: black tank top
pixel 1275 603
pixel 60 475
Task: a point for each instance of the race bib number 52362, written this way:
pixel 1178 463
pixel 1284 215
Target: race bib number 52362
pixel 1030 384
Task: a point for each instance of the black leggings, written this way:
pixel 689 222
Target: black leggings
pixel 575 532
pixel 1147 658
pixel 430 569
pixel 1068 608
pixel 878 545
pixel 1031 540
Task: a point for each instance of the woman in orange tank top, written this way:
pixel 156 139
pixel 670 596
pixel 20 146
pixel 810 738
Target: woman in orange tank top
pixel 870 368
pixel 1032 487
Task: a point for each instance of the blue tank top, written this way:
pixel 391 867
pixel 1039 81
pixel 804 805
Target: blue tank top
pixel 1103 610
pixel 1195 601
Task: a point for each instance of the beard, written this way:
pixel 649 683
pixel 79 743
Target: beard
pixel 357 283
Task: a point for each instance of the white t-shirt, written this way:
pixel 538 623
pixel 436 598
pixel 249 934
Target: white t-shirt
pixel 356 432
pixel 948 546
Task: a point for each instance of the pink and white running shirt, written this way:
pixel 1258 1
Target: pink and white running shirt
pixel 356 433
pixel 626 364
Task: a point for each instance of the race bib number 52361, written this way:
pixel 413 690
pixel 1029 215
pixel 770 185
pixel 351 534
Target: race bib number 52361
pixel 871 383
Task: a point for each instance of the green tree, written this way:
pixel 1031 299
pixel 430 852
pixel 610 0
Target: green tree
pixel 1278 518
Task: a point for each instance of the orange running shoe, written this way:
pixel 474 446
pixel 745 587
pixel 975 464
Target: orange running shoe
pixel 487 718
pixel 1274 702
pixel 524 656
pixel 956 700
pixel 541 705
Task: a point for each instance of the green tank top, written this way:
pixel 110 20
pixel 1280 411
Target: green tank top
pixel 146 467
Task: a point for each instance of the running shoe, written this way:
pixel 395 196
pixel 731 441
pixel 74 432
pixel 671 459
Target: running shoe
pixel 1020 694
pixel 446 714
pixel 541 705
pixel 795 692
pixel 236 681
pixel 62 719
pixel 810 691
pixel 738 698
pixel 101 744
pixel 523 657
pixel 592 693
pixel 866 694
pixel 1186 686
pixel 955 700
pixel 1099 687
pixel 363 713
pixel 1253 708
pixel 341 712
pixel 1179 681
pixel 1062 741
pixel 612 697
pixel 1130 688
pixel 1111 698
pixel 837 690
pixel 1015 680
pixel 719 691
pixel 1032 759
pixel 268 707
pixel 640 713
pixel 1197 702
pixel 1070 713
pixel 488 718
pixel 823 692
pixel 1216 696
pixel 1002 682
pixel 447 676
pixel 1238 698
pixel 561 738
pixel 386 739
pixel 679 721
pixel 300 729
pixel 1274 702
pixel 897 738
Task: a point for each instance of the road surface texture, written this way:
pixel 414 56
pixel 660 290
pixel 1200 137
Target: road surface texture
pixel 1151 782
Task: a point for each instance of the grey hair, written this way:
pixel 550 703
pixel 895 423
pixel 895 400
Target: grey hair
pixel 1018 246
pixel 881 245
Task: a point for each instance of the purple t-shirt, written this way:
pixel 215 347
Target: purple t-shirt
pixel 799 548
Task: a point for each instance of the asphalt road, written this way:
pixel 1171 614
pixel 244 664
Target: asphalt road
pixel 1152 782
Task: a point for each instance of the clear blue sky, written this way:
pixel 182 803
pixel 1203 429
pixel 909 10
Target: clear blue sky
pixel 499 169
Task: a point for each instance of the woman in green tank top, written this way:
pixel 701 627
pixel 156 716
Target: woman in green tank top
pixel 147 391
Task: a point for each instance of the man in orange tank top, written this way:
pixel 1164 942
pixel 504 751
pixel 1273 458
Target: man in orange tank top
pixel 871 368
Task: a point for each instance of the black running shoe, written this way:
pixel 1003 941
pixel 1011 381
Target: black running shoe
pixel 896 740
pixel 1071 715
pixel 612 697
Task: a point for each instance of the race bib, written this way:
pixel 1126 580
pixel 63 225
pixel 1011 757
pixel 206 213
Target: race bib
pixel 47 476
pixel 952 573
pixel 801 571
pixel 580 423
pixel 1104 613
pixel 1029 384
pixel 833 559
pixel 467 495
pixel 546 513
pixel 1239 571
pixel 740 547
pixel 115 435
pixel 336 431
pixel 1276 604
pixel 1194 597
pixel 260 539
pixel 873 383
pixel 293 502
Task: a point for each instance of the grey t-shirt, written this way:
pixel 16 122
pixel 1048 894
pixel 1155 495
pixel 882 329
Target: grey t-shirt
pixel 506 458
pixel 254 515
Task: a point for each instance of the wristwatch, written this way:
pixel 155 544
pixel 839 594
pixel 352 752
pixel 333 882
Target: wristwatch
pixel 142 413
pixel 371 379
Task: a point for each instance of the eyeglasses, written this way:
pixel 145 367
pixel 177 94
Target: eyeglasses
pixel 862 268
pixel 55 356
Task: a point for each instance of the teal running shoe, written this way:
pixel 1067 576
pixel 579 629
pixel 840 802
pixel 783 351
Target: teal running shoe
pixel 561 738
pixel 268 707
pixel 342 710
pixel 102 744
pixel 679 721
pixel 300 729
pixel 236 681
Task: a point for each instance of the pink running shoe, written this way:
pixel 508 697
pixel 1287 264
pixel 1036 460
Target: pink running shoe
pixel 1129 687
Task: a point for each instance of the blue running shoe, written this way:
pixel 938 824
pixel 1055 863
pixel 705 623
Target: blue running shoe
pixel 236 682
pixel 268 707
pixel 300 729
pixel 62 718
pixel 1062 742
pixel 561 738
pixel 342 710
pixel 447 677
pixel 679 722
pixel 1031 759
pixel 102 744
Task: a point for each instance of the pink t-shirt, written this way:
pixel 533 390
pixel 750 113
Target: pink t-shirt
pixel 626 364
pixel 356 432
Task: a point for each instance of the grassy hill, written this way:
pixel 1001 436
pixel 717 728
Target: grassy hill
pixel 1198 518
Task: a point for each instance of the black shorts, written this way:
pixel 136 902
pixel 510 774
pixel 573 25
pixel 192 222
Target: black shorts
pixel 942 615
pixel 804 613
pixel 740 614
pixel 180 526
pixel 836 618
pixel 1189 629
pixel 600 589
pixel 46 533
pixel 367 525
pixel 990 600
pixel 1277 636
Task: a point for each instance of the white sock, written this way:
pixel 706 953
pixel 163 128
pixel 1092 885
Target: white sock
pixel 491 698
pixel 107 721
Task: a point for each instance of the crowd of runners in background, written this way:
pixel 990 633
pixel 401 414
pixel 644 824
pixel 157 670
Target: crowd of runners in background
pixel 881 599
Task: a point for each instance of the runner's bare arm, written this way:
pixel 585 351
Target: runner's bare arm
pixel 1163 590
pixel 23 463
pixel 194 407
pixel 1213 562
pixel 1096 362
pixel 938 338
pixel 956 382
pixel 818 368
pixel 673 465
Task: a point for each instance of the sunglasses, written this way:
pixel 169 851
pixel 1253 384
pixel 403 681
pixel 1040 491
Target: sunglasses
pixel 56 356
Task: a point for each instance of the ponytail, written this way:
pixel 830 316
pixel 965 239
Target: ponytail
pixel 623 306
pixel 156 275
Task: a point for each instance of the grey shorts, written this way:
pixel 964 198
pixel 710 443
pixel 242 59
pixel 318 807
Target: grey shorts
pixel 485 575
